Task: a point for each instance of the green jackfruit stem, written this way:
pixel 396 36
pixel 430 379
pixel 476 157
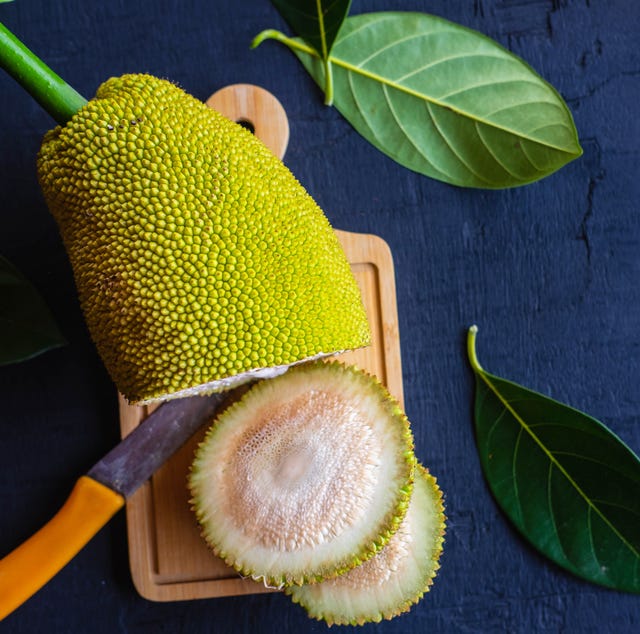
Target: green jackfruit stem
pixel 59 99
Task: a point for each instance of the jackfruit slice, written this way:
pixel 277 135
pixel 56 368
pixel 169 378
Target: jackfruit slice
pixel 200 260
pixel 396 578
pixel 305 477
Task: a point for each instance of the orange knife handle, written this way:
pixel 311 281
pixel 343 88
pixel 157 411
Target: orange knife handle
pixel 25 570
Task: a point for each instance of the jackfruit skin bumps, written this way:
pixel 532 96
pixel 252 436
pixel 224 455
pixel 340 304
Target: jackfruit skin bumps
pixel 198 257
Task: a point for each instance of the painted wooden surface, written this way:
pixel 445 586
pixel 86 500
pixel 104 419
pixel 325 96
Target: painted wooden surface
pixel 549 272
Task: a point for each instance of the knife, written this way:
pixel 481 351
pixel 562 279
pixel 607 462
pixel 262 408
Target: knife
pixel 99 494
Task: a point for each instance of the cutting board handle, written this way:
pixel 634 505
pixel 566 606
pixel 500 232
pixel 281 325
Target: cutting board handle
pixel 256 109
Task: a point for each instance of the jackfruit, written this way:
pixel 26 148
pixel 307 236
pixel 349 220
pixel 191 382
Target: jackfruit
pixel 395 579
pixel 200 260
pixel 305 477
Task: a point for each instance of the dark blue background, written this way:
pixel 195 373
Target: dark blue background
pixel 549 272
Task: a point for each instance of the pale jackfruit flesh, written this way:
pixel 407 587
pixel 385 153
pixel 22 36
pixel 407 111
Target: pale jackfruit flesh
pixel 305 477
pixel 390 583
pixel 199 259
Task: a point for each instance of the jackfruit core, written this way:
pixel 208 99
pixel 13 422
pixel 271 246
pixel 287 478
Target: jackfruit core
pixel 199 259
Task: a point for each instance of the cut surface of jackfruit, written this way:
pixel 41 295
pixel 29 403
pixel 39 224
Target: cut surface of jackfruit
pixel 200 260
pixel 396 578
pixel 308 475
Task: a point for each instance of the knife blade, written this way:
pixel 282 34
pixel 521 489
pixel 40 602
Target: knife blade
pixel 99 494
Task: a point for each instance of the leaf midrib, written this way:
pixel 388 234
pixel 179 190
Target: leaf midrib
pixel 552 460
pixel 323 32
pixel 296 44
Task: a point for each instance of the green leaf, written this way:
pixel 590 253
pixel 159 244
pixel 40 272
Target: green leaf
pixel 317 22
pixel 568 484
pixel 26 325
pixel 444 100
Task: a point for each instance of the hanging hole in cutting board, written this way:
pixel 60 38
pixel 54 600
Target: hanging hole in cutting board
pixel 247 125
pixel 254 106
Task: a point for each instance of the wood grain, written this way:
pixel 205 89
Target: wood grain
pixel 258 109
pixel 168 558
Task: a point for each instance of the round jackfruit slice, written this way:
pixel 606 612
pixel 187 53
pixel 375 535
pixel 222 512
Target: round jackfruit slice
pixel 396 578
pixel 305 477
pixel 199 259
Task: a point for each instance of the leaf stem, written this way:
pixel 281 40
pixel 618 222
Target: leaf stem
pixel 328 72
pixel 272 34
pixel 57 97
pixel 328 82
pixel 471 349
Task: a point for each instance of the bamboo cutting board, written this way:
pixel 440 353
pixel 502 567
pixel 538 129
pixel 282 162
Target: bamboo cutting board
pixel 169 560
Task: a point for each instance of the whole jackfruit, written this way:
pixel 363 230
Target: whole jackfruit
pixel 199 259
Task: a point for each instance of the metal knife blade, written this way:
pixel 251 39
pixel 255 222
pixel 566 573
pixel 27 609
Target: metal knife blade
pixel 132 462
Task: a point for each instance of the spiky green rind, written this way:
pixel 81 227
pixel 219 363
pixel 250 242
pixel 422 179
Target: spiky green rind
pixel 395 580
pixel 200 260
pixel 305 477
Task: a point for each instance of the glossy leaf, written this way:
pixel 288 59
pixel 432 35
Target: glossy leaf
pixel 567 483
pixel 444 100
pixel 317 22
pixel 26 325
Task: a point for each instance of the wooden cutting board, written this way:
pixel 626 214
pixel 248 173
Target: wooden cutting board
pixel 169 560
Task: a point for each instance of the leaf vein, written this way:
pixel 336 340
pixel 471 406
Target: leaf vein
pixel 527 155
pixel 437 102
pixel 345 35
pixel 453 150
pixel 489 149
pixel 586 459
pixel 387 47
pixel 323 33
pixel 510 106
pixel 616 506
pixel 552 515
pixel 359 107
pixel 450 58
pixel 495 424
pixel 398 122
pixel 592 545
pixel 514 478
